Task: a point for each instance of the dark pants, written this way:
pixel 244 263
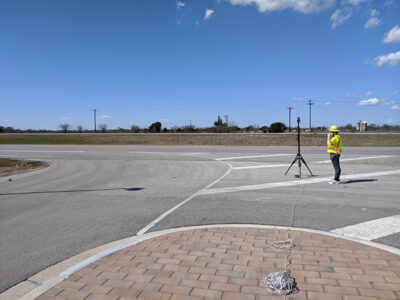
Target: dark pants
pixel 336 165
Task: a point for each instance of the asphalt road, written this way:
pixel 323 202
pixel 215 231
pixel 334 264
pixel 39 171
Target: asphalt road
pixel 92 195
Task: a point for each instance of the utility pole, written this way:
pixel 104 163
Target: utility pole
pixel 310 103
pixel 290 114
pixel 190 122
pixel 227 126
pixel 94 110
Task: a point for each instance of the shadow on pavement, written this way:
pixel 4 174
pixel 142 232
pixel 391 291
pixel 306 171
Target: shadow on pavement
pixel 73 191
pixel 358 180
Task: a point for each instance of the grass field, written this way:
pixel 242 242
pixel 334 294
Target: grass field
pixel 349 139
pixel 14 166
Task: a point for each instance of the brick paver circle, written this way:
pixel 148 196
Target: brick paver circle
pixel 229 263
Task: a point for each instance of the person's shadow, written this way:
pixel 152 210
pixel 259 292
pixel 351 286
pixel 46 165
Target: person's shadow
pixel 358 180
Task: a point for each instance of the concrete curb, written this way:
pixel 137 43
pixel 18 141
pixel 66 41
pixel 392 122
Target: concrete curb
pixel 48 278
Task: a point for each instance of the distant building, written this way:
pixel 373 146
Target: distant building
pixel 358 125
pixel 361 126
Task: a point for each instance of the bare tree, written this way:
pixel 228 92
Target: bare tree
pixel 64 127
pixel 103 127
pixel 80 128
pixel 135 129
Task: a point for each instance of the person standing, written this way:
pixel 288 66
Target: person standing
pixel 334 142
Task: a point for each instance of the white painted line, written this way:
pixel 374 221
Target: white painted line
pixel 351 159
pixel 372 230
pixel 157 220
pixel 174 153
pixel 43 151
pixel 152 152
pixel 292 183
pixel 251 156
pixel 259 167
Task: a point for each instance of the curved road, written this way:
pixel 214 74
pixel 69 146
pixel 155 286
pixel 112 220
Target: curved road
pixel 92 195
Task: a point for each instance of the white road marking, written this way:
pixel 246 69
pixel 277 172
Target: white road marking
pixel 251 156
pixel 153 152
pixel 157 220
pixel 315 162
pixel 259 167
pixel 356 158
pixel 372 230
pixel 291 183
pixel 193 153
pixel 44 151
pixel 175 153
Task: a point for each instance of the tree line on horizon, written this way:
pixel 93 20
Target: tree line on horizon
pixel 219 127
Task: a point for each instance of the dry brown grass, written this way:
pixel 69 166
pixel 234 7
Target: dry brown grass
pixel 14 166
pixel 349 140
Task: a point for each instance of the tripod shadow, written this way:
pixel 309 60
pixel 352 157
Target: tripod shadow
pixel 73 191
pixel 358 180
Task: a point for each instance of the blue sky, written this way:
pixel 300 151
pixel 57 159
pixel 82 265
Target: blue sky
pixel 138 62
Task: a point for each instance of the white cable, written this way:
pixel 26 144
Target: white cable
pixel 280 282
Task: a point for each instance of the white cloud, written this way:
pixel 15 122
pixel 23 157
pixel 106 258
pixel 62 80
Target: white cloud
pixel 391 59
pixel 370 101
pixel 353 2
pixel 64 118
pixel 396 92
pixel 372 22
pixel 105 117
pixel 208 13
pixel 389 3
pixel 387 102
pixel 297 98
pixel 393 36
pixel 303 6
pixel 179 4
pixel 340 16
pixel 357 95
pixel 390 121
pixel 328 103
pixel 396 107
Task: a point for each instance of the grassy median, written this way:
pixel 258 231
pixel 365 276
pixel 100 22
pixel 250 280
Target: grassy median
pixel 16 166
pixel 271 139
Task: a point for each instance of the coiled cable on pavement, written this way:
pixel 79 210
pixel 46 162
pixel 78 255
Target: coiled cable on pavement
pixel 281 282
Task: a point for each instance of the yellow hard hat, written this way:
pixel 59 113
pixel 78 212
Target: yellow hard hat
pixel 334 128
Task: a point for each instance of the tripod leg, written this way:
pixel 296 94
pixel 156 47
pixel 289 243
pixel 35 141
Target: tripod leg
pixel 296 158
pixel 299 166
pixel 307 166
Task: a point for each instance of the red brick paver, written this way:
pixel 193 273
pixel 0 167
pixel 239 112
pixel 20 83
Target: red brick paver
pixel 229 263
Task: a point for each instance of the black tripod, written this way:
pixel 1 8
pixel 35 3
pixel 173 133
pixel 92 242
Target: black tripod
pixel 298 157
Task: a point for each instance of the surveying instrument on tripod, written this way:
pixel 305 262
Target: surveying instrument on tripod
pixel 299 158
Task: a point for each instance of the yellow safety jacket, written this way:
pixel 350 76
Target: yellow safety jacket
pixel 335 145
